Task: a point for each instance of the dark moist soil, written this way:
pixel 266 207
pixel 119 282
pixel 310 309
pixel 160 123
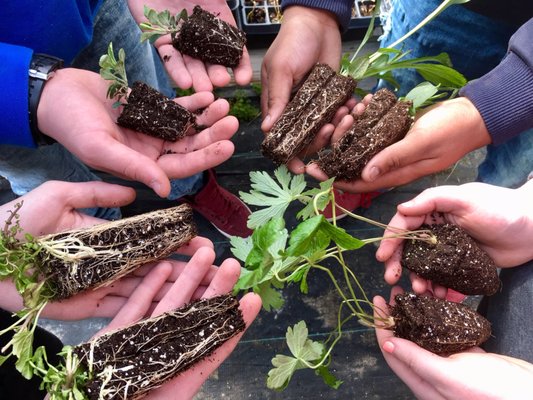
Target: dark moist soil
pixel 206 37
pixel 313 106
pixel 151 112
pixel 145 355
pixel 384 122
pixel 119 247
pixel 456 261
pixel 440 326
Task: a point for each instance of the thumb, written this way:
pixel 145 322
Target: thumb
pixel 278 86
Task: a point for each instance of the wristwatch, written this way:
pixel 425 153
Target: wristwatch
pixel 42 68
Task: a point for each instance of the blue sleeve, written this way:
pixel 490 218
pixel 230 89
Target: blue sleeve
pixel 504 96
pixel 15 124
pixel 341 8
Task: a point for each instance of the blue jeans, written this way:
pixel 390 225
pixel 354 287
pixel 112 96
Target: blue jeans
pixel 476 44
pixel 27 168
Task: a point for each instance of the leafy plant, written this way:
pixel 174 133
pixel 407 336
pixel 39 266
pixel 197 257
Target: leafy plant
pixel 437 70
pixel 160 24
pixel 274 257
pixel 242 108
pixel 114 70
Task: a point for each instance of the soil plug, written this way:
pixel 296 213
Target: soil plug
pixel 145 109
pixel 201 35
pixel 455 261
pixel 55 267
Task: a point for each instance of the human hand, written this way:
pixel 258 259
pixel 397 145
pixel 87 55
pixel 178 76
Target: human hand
pixel 185 70
pixel 74 110
pixel 469 375
pixel 307 36
pixel 438 139
pixel 499 219
pixel 189 286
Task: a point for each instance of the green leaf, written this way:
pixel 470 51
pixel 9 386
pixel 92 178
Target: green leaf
pixel 276 197
pixel 270 297
pixel 421 93
pixel 302 349
pixel 340 236
pixel 268 241
pixel 241 247
pixel 328 377
pixel 308 211
pixel 307 237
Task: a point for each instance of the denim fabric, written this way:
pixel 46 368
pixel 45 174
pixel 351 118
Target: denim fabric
pixel 27 168
pixel 475 44
pixel 509 311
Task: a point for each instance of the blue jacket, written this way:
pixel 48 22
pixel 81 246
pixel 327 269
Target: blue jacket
pixel 504 96
pixel 57 27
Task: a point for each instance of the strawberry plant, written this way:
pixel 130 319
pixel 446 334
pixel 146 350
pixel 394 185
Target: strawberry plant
pixel 274 257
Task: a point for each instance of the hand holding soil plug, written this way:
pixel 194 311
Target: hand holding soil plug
pixel 470 374
pixel 498 219
pixel 196 42
pixel 440 136
pixel 89 130
pixel 151 290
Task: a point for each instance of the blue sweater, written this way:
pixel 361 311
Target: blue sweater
pixel 57 27
pixel 504 96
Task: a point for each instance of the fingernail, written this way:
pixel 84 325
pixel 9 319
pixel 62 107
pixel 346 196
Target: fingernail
pixel 156 186
pixel 388 347
pixel 267 119
pixel 374 173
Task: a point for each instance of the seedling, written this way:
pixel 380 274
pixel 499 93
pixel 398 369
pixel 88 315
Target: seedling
pixel 144 109
pixel 201 35
pixel 58 266
pixel 274 257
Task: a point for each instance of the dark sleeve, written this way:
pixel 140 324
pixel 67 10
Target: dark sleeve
pixel 15 123
pixel 341 8
pixel 504 96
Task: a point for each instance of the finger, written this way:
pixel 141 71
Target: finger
pixel 195 376
pixel 296 166
pixel 185 165
pixel 215 112
pixel 340 114
pixel 321 140
pixel 244 72
pixel 141 299
pixel 444 199
pixel 312 169
pixel 198 72
pixel 175 65
pixel 187 282
pixel 194 244
pixel 218 74
pixel 122 161
pixel 341 128
pixel 222 129
pixel 407 368
pixel 225 278
pixel 94 194
pixel 279 86
pixel 196 101
pixel 418 284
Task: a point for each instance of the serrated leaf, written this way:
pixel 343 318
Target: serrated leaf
pixel 309 210
pixel 270 297
pixel 302 349
pixel 276 197
pixel 268 241
pixel 241 247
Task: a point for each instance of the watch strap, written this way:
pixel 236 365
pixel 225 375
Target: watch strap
pixel 42 68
